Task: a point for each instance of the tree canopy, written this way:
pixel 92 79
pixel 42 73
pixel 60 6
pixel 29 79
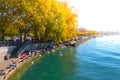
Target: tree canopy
pixel 41 19
pixel 82 31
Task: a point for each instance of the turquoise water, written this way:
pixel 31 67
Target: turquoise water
pixel 96 59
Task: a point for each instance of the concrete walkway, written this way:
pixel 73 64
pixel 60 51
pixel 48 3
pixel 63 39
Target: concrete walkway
pixel 4 65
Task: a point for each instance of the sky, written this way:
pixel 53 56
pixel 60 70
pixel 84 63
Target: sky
pixel 100 15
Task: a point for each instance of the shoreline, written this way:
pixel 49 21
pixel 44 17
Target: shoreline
pixel 30 59
pixel 24 66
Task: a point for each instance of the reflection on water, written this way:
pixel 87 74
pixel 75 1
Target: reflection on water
pixel 96 59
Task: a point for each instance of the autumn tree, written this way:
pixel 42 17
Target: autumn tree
pixel 70 28
pixel 4 21
pixel 45 20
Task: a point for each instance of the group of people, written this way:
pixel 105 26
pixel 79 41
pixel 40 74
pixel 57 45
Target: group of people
pixel 28 54
pixel 23 56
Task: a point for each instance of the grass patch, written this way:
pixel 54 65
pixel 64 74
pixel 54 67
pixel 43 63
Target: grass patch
pixel 18 73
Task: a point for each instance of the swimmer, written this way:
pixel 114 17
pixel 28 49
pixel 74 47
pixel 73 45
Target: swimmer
pixel 32 62
pixel 53 50
pixel 61 54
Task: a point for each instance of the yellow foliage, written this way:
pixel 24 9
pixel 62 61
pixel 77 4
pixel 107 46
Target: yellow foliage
pixel 83 31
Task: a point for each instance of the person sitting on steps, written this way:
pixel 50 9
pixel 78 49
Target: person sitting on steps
pixel 12 64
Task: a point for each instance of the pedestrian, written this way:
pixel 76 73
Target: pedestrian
pixel 12 64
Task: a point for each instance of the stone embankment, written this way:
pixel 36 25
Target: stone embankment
pixel 4 66
pixel 5 51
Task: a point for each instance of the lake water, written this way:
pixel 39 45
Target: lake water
pixel 96 59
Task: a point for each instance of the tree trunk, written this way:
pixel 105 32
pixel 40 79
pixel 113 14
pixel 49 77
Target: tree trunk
pixel 24 36
pixel 12 38
pixel 36 35
pixel 3 35
pixel 20 31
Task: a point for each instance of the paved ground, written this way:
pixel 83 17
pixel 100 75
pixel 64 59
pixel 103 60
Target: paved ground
pixel 4 65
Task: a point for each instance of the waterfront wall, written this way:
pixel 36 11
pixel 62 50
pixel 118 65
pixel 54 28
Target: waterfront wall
pixel 4 51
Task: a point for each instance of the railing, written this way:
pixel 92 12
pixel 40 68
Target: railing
pixel 23 47
pixel 9 43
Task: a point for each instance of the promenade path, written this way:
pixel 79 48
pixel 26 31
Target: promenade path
pixel 4 65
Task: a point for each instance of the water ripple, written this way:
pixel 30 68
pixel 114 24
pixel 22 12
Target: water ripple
pixel 96 59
